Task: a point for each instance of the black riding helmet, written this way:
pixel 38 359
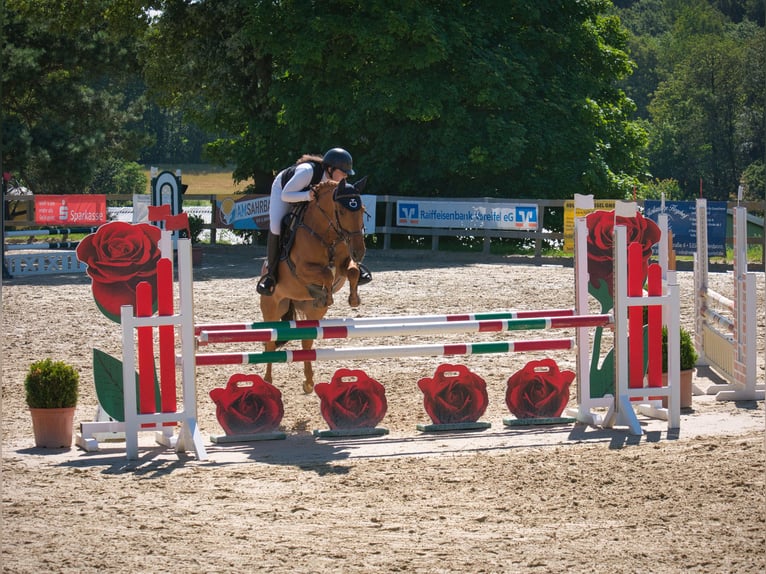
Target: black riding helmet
pixel 340 159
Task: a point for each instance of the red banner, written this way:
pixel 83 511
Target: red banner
pixel 70 209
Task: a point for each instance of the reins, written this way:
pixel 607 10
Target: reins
pixel 334 226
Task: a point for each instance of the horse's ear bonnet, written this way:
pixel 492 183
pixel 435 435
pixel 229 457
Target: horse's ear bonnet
pixel 348 195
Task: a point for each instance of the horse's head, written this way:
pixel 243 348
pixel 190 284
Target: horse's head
pixel 349 215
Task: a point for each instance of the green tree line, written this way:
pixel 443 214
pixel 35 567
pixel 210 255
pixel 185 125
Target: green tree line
pixel 440 98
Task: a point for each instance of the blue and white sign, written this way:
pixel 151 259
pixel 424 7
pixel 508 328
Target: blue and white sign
pixel 465 215
pixel 252 212
pixel 682 221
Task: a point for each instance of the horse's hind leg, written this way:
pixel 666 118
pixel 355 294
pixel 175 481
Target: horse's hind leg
pixel 308 368
pixel 268 347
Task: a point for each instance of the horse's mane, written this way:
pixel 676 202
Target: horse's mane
pixel 324 186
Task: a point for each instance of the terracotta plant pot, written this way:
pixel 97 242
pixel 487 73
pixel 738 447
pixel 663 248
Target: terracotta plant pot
pixel 53 427
pixel 686 388
pixel 196 255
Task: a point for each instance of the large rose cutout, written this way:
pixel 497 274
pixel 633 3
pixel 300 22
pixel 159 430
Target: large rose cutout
pixel 352 400
pixel 248 405
pixel 539 390
pixel 119 256
pixel 601 242
pixel 454 395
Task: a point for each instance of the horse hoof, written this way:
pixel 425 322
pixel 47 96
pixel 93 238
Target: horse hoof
pixel 308 387
pixel 354 302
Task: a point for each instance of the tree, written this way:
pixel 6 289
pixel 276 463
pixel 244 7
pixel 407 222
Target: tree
pixel 707 110
pixel 70 90
pixel 492 98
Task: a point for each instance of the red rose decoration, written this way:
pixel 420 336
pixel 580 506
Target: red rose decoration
pixel 601 240
pixel 119 256
pixel 454 395
pixel 538 390
pixel 248 405
pixel 352 400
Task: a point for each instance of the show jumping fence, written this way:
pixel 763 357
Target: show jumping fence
pixel 44 258
pixel 141 415
pixel 726 340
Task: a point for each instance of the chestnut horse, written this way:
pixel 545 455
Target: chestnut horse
pixel 328 243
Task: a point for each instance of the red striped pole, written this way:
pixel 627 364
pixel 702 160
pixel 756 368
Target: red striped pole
pixel 654 288
pixel 166 337
pixel 458 317
pixel 146 397
pixel 393 330
pixel 346 353
pixel 635 317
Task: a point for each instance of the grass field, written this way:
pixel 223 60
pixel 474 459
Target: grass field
pixel 202 179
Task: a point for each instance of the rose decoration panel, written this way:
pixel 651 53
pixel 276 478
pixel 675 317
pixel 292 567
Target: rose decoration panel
pixel 248 406
pixel 119 256
pixel 352 403
pixel 454 398
pixel 539 391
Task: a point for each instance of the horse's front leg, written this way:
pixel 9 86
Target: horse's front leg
pixel 352 274
pixel 319 280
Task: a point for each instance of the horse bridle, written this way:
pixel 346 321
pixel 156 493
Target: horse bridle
pixel 343 235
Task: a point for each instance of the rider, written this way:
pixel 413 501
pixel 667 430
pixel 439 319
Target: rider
pixel 293 185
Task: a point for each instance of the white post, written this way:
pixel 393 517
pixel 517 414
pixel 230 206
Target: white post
pixel 623 413
pixel 130 404
pixel 190 436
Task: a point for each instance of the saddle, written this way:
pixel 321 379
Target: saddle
pixel 290 222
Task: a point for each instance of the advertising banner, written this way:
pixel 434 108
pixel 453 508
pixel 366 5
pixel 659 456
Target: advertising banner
pixel 466 215
pixel 682 221
pixel 88 210
pixel 570 214
pixel 252 212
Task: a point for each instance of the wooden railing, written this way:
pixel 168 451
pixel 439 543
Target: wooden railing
pixel 386 227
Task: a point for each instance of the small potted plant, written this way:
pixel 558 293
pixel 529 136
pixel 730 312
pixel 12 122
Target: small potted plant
pixel 687 360
pixel 196 227
pixel 52 388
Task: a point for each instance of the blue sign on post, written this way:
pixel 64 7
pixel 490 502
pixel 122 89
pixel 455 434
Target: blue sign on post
pixel 682 221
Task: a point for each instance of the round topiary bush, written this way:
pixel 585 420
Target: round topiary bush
pixel 688 354
pixel 51 385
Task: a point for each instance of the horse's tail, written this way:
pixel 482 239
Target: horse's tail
pixel 288 316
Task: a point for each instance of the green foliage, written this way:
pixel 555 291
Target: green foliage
pixel 70 90
pixel 688 357
pixel 196 227
pixel 655 189
pixel 51 385
pixel 754 179
pixel 495 98
pixel 503 99
pixel 701 72
pixel 116 176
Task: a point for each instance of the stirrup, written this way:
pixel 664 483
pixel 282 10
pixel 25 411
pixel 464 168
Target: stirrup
pixel 364 275
pixel 266 285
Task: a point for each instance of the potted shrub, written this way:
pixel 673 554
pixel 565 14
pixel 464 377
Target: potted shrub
pixel 687 360
pixel 52 388
pixel 196 227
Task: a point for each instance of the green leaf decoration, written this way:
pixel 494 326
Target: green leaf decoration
pixel 107 374
pixel 601 294
pixel 601 379
pixel 116 318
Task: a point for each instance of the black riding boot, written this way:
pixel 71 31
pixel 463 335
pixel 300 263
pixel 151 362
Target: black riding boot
pixel 267 283
pixel 364 274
